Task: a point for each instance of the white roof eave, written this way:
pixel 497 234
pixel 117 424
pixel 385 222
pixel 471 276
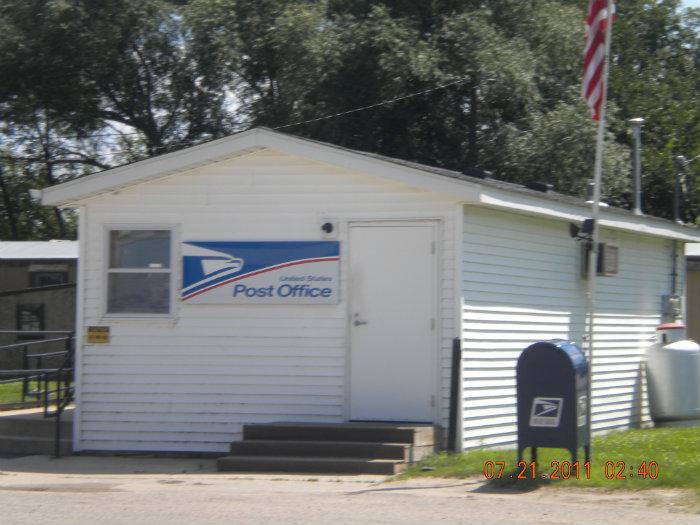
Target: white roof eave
pixel 38 250
pixel 532 205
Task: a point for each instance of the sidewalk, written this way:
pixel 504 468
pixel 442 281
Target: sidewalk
pixel 145 490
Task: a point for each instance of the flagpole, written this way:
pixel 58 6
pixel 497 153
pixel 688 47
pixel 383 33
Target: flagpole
pixel 595 212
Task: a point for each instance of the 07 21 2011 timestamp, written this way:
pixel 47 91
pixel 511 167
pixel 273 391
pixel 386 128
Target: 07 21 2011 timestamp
pixel 525 470
pixel 571 470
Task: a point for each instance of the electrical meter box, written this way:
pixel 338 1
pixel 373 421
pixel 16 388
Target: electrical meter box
pixel 552 386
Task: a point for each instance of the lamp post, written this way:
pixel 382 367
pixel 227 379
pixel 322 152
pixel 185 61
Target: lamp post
pixel 636 125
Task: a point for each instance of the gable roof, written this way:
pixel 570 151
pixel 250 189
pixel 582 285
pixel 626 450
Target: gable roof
pixel 470 190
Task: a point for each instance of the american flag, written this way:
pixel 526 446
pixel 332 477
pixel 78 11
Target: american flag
pixel 594 55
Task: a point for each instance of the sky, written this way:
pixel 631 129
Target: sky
pixel 691 3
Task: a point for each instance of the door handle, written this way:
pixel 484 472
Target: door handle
pixel 358 321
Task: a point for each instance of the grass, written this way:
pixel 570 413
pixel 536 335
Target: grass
pixel 11 393
pixel 675 450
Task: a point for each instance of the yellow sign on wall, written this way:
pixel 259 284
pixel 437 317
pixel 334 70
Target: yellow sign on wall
pixel 97 334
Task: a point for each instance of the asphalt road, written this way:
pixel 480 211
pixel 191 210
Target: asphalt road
pixel 133 490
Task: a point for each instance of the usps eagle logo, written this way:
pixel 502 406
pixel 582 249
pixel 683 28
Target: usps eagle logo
pixel 208 268
pixel 546 411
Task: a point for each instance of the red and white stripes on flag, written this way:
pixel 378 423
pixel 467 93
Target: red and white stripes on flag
pixel 594 55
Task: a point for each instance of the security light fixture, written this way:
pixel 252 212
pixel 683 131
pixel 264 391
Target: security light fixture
pixel 583 232
pixel 588 226
pixel 574 229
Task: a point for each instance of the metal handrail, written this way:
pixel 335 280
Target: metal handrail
pixel 31 332
pixel 61 376
pixel 50 354
pixel 36 342
pixel 25 371
pixel 14 380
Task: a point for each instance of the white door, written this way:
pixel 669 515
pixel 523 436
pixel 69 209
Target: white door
pixel 393 343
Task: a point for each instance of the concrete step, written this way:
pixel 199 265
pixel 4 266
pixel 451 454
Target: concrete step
pixel 344 449
pixel 29 432
pixel 32 445
pixel 421 435
pixel 310 465
pixel 34 425
pixel 349 448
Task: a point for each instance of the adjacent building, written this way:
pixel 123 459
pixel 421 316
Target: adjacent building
pixel 692 254
pixel 37 291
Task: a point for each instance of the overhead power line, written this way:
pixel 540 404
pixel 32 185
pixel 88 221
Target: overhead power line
pixel 324 117
pixel 378 104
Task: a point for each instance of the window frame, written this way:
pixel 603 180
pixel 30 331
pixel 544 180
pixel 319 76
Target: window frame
pixel 106 270
pixel 36 274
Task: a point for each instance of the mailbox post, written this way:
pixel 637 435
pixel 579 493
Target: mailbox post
pixel 552 384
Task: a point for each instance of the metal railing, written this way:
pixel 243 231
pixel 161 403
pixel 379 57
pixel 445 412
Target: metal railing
pixel 50 386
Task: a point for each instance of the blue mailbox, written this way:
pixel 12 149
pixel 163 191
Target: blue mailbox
pixel 552 385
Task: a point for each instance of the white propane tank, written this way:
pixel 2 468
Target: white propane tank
pixel 673 375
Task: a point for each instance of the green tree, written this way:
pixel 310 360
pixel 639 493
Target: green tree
pixel 87 85
pixel 559 148
pixel 91 84
pixel 654 75
pixel 113 61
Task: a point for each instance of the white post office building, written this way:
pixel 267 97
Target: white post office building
pixel 267 278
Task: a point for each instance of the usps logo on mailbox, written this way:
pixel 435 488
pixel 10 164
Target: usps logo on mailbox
pixel 546 411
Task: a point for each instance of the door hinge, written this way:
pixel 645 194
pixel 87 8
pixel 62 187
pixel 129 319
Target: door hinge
pixel 432 247
pixel 432 401
pixel 432 324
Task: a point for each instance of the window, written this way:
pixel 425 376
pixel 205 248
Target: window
pixel 608 259
pixel 47 274
pixel 47 278
pixel 30 318
pixel 139 273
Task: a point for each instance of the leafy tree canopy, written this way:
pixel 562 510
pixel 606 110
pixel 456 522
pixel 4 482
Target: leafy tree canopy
pixel 87 85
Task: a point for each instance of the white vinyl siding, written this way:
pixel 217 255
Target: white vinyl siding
pixel 522 283
pixel 189 382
